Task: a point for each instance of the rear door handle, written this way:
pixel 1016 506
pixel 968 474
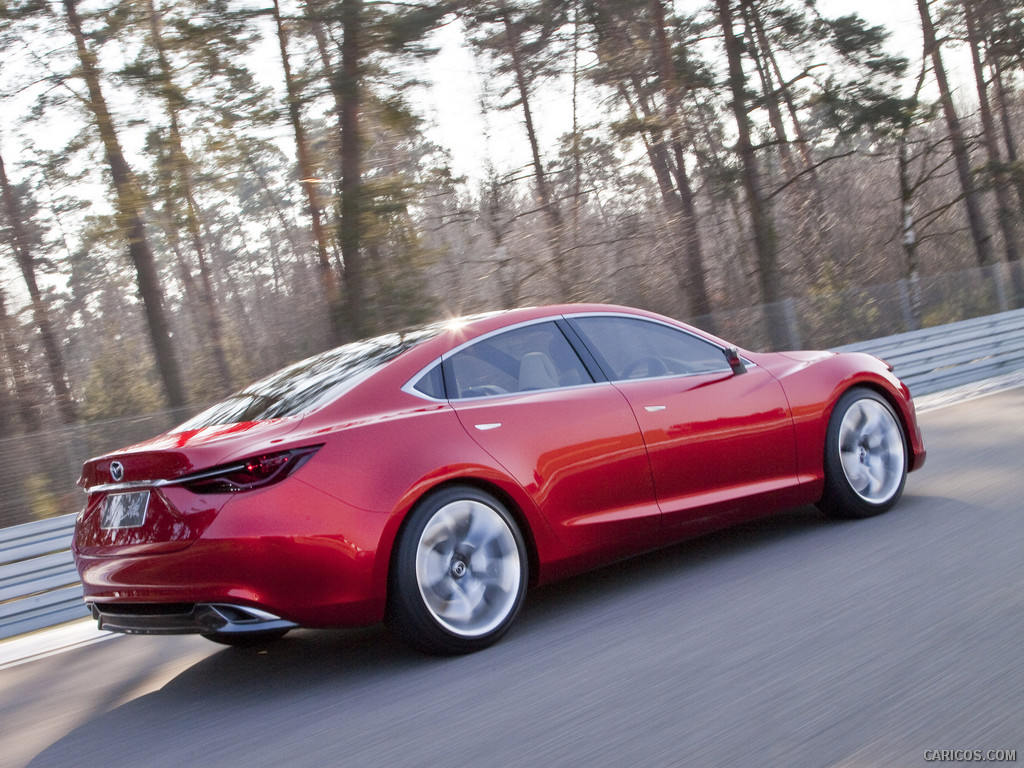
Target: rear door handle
pixel 488 426
pixel 654 408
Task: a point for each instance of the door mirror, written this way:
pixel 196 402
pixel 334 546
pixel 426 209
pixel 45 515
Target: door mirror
pixel 732 355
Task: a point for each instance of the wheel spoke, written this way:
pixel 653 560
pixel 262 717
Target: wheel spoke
pixel 875 475
pixel 432 571
pixel 871 424
pixel 853 468
pixel 480 530
pixel 501 573
pixel 460 607
pixel 440 534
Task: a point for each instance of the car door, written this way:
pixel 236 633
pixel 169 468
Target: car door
pixel 720 442
pixel 526 397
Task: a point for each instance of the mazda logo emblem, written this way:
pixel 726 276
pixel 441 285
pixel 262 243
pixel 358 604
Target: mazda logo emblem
pixel 117 471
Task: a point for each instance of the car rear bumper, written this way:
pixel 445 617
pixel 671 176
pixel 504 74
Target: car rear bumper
pixel 288 551
pixel 185 618
pixel 310 581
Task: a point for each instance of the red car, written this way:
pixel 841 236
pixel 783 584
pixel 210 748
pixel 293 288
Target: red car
pixel 426 478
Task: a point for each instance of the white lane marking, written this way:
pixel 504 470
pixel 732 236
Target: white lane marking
pixel 967 392
pixel 50 642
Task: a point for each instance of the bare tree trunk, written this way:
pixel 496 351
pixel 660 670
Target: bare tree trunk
pixel 309 183
pixel 40 311
pixel 908 191
pixel 685 258
pixel 764 60
pixel 995 162
pixel 577 152
pixel 130 206
pixel 661 164
pixel 1016 271
pixel 181 167
pixel 808 212
pixel 765 239
pixel 26 402
pixel 275 204
pixel 350 227
pixel 815 196
pixel 184 271
pixel 553 215
pixel 1009 139
pixel 336 88
pixel 908 225
pixel 695 284
pixel 972 202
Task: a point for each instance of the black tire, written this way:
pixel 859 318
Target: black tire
pixel 246 639
pixel 459 573
pixel 865 457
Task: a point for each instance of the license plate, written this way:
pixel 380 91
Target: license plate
pixel 124 510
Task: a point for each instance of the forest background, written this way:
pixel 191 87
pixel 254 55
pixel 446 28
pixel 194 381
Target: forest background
pixel 198 192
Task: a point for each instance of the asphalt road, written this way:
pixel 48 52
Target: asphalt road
pixel 793 641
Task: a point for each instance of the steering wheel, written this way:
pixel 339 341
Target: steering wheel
pixel 483 390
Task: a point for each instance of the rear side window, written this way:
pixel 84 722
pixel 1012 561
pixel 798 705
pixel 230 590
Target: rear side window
pixel 431 383
pixel 525 359
pixel 632 348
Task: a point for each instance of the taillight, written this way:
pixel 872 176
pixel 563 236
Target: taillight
pixel 245 475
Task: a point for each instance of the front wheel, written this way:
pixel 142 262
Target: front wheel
pixel 865 457
pixel 459 575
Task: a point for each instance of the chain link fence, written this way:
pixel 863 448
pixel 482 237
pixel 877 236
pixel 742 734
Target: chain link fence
pixel 41 469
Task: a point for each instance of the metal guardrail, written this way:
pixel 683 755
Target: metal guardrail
pixel 39 585
pixel 38 582
pixel 947 356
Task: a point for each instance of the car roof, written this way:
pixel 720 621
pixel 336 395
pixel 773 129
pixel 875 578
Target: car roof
pixel 459 331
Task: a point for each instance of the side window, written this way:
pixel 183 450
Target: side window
pixel 431 383
pixel 521 360
pixel 631 348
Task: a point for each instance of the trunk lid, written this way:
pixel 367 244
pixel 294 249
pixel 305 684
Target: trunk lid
pixel 174 454
pixel 129 512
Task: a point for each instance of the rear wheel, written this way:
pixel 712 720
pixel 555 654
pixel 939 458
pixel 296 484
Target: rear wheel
pixel 865 456
pixel 459 575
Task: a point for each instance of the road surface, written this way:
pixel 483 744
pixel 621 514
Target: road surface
pixel 793 641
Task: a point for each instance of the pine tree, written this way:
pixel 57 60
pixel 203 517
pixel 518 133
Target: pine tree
pixel 20 243
pixel 130 206
pixel 972 199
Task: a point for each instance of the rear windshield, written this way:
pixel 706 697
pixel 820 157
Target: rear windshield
pixel 309 384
